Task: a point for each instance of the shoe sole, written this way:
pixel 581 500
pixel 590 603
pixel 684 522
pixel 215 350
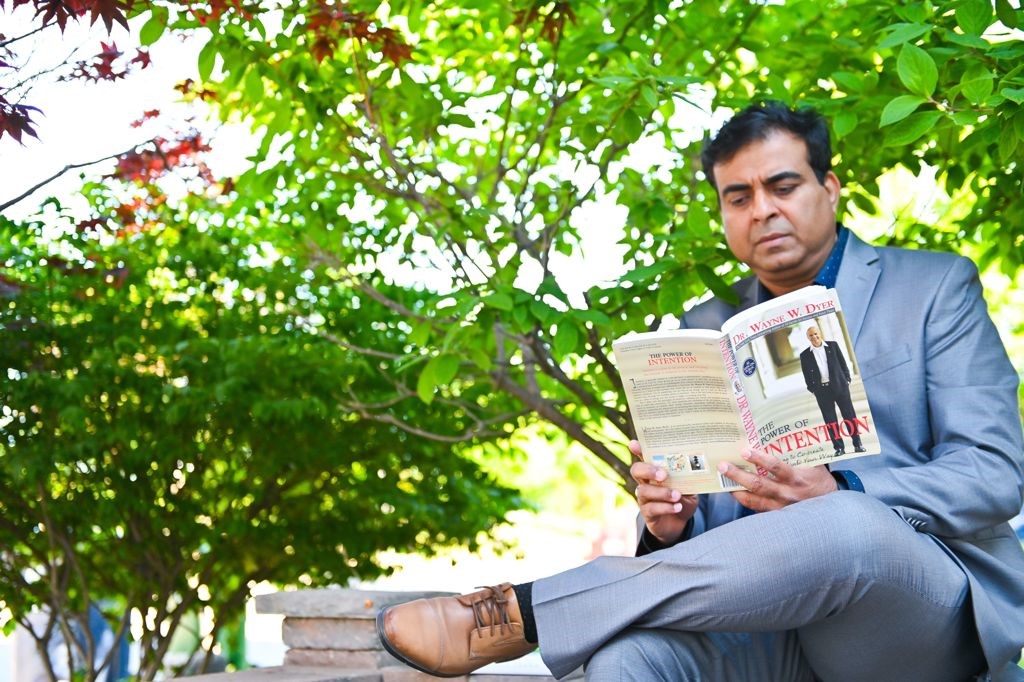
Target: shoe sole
pixel 391 650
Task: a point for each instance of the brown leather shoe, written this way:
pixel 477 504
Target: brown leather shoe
pixel 452 636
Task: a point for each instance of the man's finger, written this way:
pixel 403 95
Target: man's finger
pixel 656 493
pixel 769 463
pixel 748 480
pixel 642 472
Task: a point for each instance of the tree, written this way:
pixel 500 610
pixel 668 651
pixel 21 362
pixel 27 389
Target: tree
pixel 468 140
pixel 175 429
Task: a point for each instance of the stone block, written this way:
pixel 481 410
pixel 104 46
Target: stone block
pixel 369 659
pixel 291 674
pixel 510 678
pixel 343 634
pixel 335 602
pixel 405 674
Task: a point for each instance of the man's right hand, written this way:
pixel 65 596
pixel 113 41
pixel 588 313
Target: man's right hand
pixel 666 511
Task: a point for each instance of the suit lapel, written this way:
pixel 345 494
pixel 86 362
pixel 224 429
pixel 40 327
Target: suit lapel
pixel 749 292
pixel 856 282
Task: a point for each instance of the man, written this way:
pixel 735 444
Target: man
pixel 898 567
pixel 828 379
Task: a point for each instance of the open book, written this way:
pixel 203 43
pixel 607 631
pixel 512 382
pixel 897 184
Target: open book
pixel 780 376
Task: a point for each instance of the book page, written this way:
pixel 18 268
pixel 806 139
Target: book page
pixel 682 405
pixel 801 378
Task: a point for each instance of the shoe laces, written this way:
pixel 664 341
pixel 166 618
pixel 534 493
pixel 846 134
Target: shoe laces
pixel 491 609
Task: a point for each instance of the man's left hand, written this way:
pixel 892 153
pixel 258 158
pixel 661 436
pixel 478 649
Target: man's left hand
pixel 777 484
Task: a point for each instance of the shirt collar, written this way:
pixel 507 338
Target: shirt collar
pixel 826 277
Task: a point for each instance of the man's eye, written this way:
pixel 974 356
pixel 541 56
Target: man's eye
pixel 785 189
pixel 737 201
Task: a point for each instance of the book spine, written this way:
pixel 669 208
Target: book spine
pixel 742 404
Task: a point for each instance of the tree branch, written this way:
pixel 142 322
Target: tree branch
pixel 4 206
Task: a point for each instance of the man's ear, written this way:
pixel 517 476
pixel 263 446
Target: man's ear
pixel 832 186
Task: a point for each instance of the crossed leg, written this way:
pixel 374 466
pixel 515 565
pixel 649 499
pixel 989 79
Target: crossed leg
pixel 837 588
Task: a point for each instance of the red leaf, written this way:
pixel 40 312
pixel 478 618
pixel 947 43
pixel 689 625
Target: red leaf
pixel 110 11
pixel 396 50
pixel 146 115
pixel 141 57
pixel 15 120
pixel 322 47
pixel 147 165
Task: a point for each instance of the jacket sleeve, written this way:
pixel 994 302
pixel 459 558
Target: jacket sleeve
pixel 967 474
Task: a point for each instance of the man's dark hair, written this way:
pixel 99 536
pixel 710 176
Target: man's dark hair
pixel 756 122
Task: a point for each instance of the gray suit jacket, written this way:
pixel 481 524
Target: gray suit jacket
pixel 944 397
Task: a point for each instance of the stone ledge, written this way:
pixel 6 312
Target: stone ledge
pixel 335 602
pixel 289 673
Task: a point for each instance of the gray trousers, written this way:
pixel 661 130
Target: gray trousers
pixel 835 588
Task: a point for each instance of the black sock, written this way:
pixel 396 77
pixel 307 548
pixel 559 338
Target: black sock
pixel 524 595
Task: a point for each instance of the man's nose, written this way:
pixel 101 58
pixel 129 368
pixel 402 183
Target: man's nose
pixel 763 205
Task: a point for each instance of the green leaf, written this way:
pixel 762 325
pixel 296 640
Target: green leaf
pixel 649 95
pixel 974 16
pixel 917 70
pixel 1007 14
pixel 254 89
pixel 902 33
pixel 1008 142
pixel 716 284
pixel 698 222
pixel 632 124
pixel 544 313
pixel 613 82
pixel 1014 94
pixel 844 124
pixel 899 108
pixel 645 272
pixel 480 359
pixel 671 295
pixel 425 385
pixel 207 59
pixel 499 300
pixel 154 26
pixel 444 367
pixel 460 120
pixel 420 333
pixel 590 315
pixel 911 128
pixel 864 203
pixel 848 81
pixel 977 84
pixel 967 40
pixel 566 339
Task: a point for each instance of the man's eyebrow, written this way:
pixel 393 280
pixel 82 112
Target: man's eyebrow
pixel 735 187
pixel 770 180
pixel 784 175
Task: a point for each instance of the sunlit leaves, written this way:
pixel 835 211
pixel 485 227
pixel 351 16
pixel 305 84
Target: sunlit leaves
pixel 974 16
pixel 155 26
pixel 911 128
pixel 917 70
pixel 899 108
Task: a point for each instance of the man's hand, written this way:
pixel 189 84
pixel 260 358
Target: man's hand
pixel 666 512
pixel 777 484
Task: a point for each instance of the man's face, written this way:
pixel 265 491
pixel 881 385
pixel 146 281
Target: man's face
pixel 778 218
pixel 814 336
